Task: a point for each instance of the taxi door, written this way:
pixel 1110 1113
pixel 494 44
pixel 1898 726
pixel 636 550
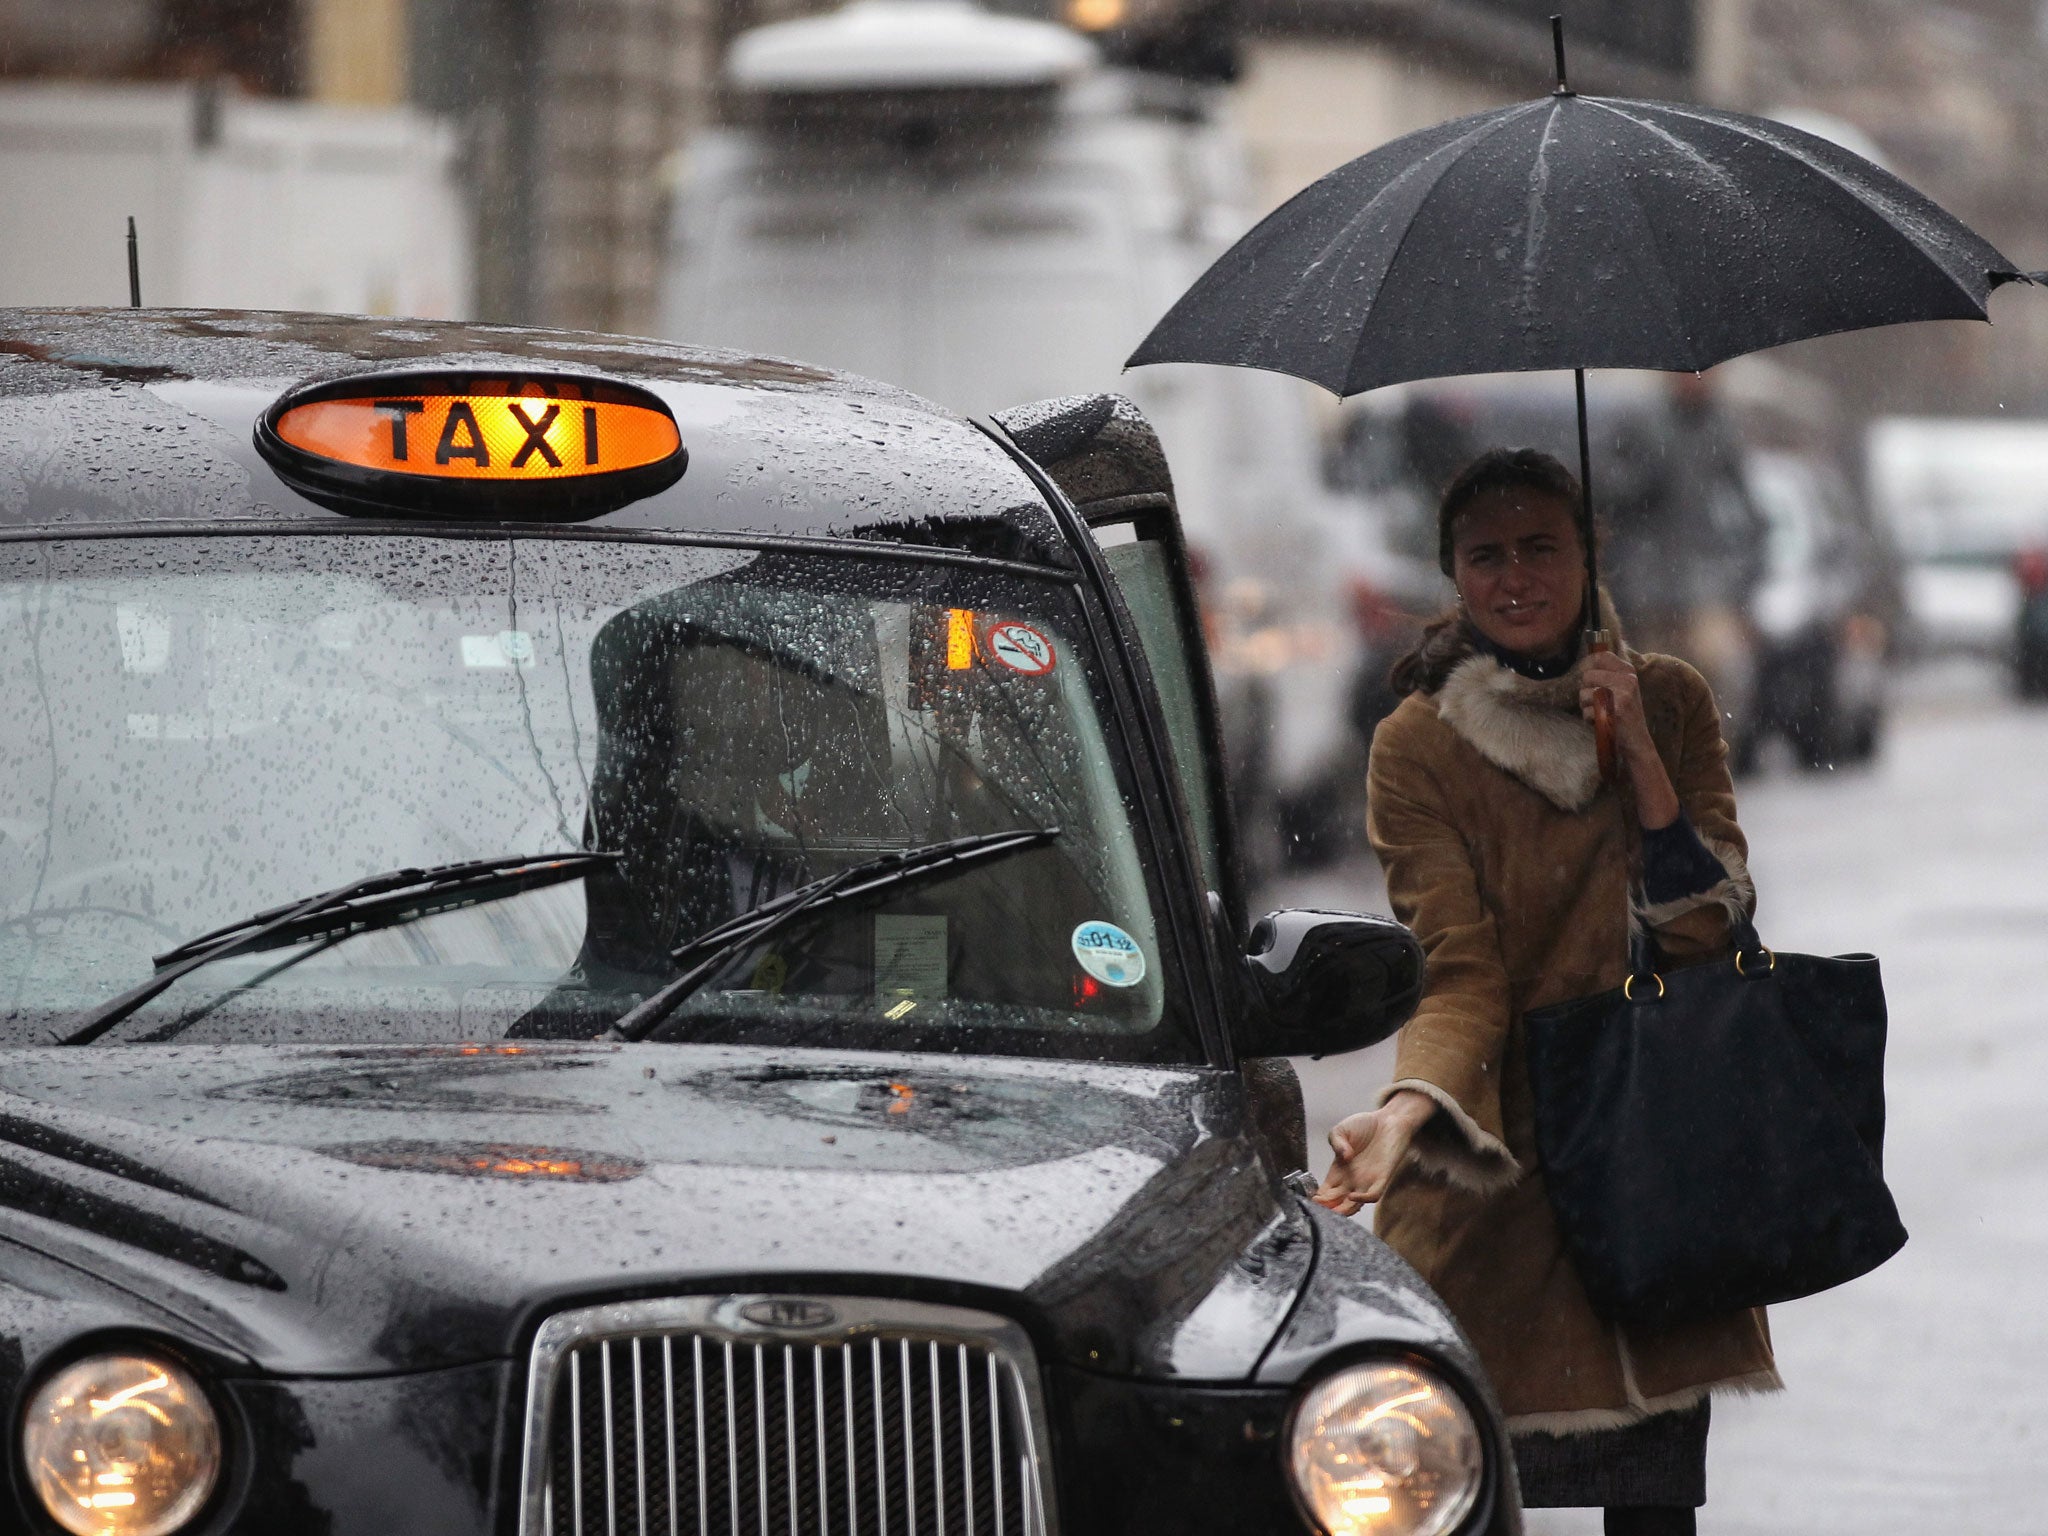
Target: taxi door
pixel 1102 452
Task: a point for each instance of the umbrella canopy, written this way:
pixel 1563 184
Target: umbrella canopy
pixel 1577 232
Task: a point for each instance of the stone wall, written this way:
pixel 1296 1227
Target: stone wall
pixel 1326 80
pixel 1955 99
pixel 623 81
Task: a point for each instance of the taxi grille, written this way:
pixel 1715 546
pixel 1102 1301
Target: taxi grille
pixel 877 1423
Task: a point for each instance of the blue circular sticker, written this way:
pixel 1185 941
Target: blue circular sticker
pixel 1109 954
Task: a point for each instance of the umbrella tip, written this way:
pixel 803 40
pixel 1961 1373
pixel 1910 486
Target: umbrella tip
pixel 1557 46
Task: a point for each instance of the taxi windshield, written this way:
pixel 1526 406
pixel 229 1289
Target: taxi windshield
pixel 208 728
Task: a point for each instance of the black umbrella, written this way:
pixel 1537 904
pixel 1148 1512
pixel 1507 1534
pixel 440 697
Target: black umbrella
pixel 1577 232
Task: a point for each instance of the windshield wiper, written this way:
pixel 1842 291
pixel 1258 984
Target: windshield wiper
pixel 375 901
pixel 891 870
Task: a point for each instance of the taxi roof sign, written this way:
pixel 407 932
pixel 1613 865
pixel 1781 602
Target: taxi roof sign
pixel 551 447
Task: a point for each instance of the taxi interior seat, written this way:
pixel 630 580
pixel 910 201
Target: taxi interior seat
pixel 743 750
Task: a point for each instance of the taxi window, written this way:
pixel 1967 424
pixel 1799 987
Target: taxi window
pixel 207 728
pixel 1142 568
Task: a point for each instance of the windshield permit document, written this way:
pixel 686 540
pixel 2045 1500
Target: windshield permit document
pixel 910 956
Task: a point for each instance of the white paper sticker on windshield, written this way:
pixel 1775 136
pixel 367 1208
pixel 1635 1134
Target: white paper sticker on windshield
pixel 145 639
pixel 1109 954
pixel 910 956
pixel 1021 648
pixel 507 648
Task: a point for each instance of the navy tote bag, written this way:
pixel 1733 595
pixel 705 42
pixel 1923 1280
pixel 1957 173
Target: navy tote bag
pixel 1712 1138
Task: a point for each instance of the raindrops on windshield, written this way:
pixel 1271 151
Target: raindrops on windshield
pixel 298 713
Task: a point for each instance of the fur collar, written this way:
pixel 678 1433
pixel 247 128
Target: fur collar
pixel 1526 727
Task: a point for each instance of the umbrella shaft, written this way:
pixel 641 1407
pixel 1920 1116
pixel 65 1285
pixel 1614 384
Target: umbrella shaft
pixel 1586 507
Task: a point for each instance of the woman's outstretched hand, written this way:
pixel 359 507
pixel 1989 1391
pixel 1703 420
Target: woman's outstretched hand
pixel 1370 1149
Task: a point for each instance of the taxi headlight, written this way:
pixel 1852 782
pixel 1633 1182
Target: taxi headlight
pixel 1385 1449
pixel 122 1445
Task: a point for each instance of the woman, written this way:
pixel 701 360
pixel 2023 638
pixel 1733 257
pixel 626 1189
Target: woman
pixel 1511 861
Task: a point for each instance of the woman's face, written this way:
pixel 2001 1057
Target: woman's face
pixel 1521 569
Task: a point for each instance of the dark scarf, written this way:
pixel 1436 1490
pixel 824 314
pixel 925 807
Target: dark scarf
pixel 1450 638
pixel 1514 661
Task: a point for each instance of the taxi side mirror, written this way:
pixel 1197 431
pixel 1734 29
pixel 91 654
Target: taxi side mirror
pixel 1325 982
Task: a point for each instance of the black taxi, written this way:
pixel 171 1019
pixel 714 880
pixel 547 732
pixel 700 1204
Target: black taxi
pixel 599 937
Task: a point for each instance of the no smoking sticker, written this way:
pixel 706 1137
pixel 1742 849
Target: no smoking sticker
pixel 1020 648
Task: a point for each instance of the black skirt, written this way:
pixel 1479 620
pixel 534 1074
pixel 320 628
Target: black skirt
pixel 1661 1461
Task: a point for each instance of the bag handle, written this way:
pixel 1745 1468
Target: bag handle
pixel 1646 957
pixel 1752 958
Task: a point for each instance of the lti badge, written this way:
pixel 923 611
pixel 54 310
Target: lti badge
pixel 544 446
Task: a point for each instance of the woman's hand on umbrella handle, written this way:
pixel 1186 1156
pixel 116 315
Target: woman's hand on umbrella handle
pixel 1608 686
pixel 1598 704
pixel 1370 1149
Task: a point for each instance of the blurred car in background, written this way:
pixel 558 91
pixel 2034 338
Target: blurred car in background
pixel 1382 464
pixel 1968 502
pixel 1820 615
pixel 2030 640
pixel 1388 460
pixel 974 206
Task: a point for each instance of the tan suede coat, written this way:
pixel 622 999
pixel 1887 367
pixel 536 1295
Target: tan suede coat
pixel 1510 861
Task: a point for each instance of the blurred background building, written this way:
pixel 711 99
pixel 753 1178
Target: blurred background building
pixel 564 113
pixel 560 117
pixel 269 153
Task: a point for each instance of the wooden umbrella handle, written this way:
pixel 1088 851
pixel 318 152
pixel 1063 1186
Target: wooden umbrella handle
pixel 1603 720
pixel 1603 735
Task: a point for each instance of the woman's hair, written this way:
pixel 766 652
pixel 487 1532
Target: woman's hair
pixel 1424 669
pixel 1503 469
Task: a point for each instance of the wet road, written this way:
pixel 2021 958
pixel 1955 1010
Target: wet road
pixel 1918 1397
